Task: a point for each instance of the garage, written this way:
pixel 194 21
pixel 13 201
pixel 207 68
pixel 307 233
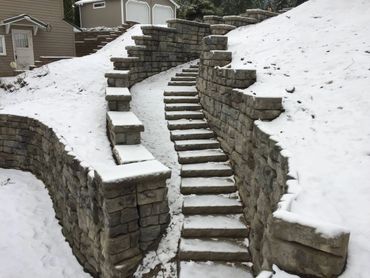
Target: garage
pixel 138 11
pixel 162 13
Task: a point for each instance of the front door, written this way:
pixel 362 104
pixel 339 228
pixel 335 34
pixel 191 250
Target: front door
pixel 23 48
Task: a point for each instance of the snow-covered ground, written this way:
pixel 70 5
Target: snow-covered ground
pixel 322 50
pixel 69 96
pixel 31 240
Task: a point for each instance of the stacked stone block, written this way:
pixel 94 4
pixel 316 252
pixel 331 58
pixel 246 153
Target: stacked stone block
pixel 261 170
pixel 109 216
pixel 159 49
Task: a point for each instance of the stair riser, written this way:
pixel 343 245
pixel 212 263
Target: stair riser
pixel 206 173
pixel 197 147
pixel 181 100
pixel 208 190
pixel 192 136
pixel 184 78
pixel 188 117
pixel 208 233
pixel 187 126
pixel 202 159
pixel 212 210
pixel 213 256
pixel 180 94
pixel 186 74
pixel 183 108
pixel 182 83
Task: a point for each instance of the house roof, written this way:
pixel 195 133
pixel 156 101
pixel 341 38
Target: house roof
pixel 82 2
pixel 36 22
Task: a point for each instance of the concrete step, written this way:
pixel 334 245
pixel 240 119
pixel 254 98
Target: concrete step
pixel 211 169
pixel 213 270
pixel 196 144
pixel 231 250
pixel 176 115
pixel 192 134
pixel 181 99
pixel 194 66
pixel 214 185
pixel 186 124
pixel 192 74
pixel 184 78
pixel 211 204
pixel 214 226
pixel 201 156
pixel 190 70
pixel 180 91
pixel 183 106
pixel 182 83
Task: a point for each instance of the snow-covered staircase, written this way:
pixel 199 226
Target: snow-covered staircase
pixel 213 237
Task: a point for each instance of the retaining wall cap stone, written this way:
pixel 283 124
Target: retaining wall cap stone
pixel 133 171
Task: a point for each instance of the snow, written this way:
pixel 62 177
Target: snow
pixel 322 50
pixel 212 270
pixel 125 119
pixel 214 222
pixel 31 240
pixel 83 2
pixel 210 201
pixel 69 96
pixel 132 153
pixel 213 245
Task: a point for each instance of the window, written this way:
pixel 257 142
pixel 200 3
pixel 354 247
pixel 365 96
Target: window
pixel 99 5
pixel 21 40
pixel 2 46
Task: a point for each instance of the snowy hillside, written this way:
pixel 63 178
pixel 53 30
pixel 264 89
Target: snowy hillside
pixel 317 57
pixel 69 96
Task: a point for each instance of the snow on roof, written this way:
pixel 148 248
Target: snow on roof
pixel 29 18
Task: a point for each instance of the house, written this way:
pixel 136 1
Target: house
pixel 112 13
pixel 31 30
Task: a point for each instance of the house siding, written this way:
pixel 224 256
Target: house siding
pixel 111 15
pixel 58 42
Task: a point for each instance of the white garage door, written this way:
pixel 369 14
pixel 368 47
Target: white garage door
pixel 138 11
pixel 162 13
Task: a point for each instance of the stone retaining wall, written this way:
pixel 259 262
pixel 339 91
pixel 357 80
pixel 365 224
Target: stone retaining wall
pixel 109 216
pixel 161 48
pixel 261 171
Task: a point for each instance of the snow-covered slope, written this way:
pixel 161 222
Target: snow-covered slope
pixel 322 50
pixel 31 240
pixel 69 96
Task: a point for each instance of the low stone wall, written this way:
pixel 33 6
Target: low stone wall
pixel 161 48
pixel 109 216
pixel 277 236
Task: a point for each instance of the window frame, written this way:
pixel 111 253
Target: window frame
pixel 2 41
pixel 99 7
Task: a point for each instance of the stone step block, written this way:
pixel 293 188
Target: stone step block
pixel 211 204
pixel 186 124
pixel 182 83
pixel 190 134
pixel 181 99
pixel 209 226
pixel 221 29
pixel 118 98
pixel 196 144
pixel 213 185
pixel 124 128
pixel 214 270
pixel 190 70
pixel 118 78
pixel 180 91
pixel 184 78
pixel 126 154
pixel 183 107
pixel 211 169
pixel 230 250
pixel 202 156
pixel 187 74
pixel 239 21
pixel 176 115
